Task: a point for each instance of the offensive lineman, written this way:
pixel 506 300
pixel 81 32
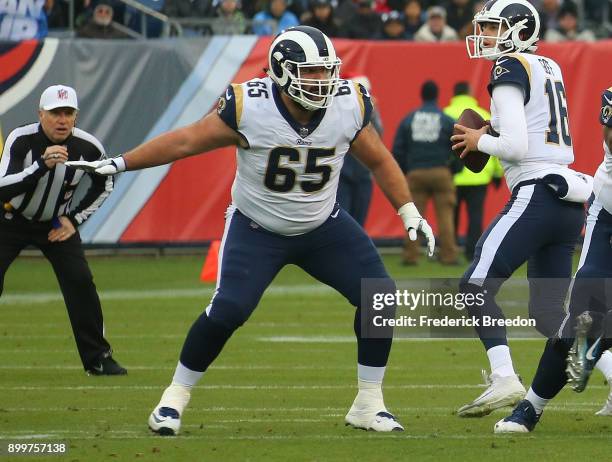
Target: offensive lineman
pixel 292 130
pixel 543 219
pixel 588 292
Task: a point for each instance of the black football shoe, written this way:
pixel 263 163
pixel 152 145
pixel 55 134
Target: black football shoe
pixel 106 365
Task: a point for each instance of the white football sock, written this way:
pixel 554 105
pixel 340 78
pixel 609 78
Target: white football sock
pixel 501 361
pixel 185 376
pixel 176 397
pixel 538 403
pixel 370 374
pixel 605 364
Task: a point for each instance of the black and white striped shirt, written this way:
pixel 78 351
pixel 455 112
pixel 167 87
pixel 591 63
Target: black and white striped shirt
pixel 31 189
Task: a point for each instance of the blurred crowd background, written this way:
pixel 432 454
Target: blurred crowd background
pixel 417 20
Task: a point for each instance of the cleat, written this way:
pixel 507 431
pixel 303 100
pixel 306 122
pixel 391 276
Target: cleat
pixel 165 421
pixel 606 410
pixel 583 354
pixel 522 420
pixel 368 412
pixel 501 392
pixel 106 366
pixel 382 421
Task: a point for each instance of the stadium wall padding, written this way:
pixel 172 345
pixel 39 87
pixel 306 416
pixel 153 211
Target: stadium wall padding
pixel 130 91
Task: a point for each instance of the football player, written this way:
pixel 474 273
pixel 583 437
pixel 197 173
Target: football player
pixel 292 130
pixel 592 329
pixel 543 219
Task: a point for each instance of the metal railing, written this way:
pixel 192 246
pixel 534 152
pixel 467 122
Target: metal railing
pixel 168 24
pixel 171 26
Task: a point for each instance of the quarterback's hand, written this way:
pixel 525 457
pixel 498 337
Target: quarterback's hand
pixel 101 167
pixel 468 139
pixel 413 222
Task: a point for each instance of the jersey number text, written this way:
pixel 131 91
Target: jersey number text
pixel 557 93
pixel 283 179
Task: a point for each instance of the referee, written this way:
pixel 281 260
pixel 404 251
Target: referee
pixel 37 191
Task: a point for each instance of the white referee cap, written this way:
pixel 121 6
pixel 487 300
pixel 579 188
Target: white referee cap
pixel 58 96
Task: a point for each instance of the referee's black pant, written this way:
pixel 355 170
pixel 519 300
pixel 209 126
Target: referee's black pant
pixel 73 274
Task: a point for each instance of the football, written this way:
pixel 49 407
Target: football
pixel 474 160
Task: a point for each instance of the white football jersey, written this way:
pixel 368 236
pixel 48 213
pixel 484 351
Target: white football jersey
pixel 287 178
pixel 549 139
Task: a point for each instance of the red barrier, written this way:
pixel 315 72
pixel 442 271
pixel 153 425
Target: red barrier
pixel 189 204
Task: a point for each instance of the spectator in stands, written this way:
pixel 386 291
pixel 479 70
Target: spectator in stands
pixel 393 26
pixel 252 7
pixel 57 14
pixel 188 8
pixel 274 18
pixel 345 11
pixel 459 16
pixel 436 29
pixel 549 12
pixel 365 24
pixel 422 148
pixel 100 25
pixel 568 27
pixel 413 17
pixel 472 187
pixel 321 16
pixel 229 19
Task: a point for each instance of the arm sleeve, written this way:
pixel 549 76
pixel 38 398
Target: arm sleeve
pixel 229 107
pixel 512 70
pixel 512 143
pixel 14 179
pixel 365 103
pixel 99 190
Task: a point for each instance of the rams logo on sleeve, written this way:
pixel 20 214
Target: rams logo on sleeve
pixel 221 105
pixel 499 71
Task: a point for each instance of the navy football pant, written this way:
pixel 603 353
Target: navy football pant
pixel 537 227
pixel 337 253
pixel 354 196
pixel 588 294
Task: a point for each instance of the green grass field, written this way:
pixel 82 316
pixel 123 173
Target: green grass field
pixel 278 392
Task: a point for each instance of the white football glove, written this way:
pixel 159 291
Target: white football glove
pixel 413 222
pixel 101 167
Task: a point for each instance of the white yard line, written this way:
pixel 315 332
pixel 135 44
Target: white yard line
pixel 330 412
pixel 276 290
pixel 349 434
pixel 430 386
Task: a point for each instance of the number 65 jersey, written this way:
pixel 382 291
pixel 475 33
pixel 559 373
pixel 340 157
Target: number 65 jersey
pixel 287 177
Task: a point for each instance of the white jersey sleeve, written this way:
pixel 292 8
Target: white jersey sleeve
pixel 549 143
pixel 286 179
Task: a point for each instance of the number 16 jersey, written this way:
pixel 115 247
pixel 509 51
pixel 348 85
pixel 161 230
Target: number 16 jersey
pixel 546 114
pixel 286 179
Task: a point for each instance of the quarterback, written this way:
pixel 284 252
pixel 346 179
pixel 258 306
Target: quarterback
pixel 292 130
pixel 543 219
pixel 584 336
